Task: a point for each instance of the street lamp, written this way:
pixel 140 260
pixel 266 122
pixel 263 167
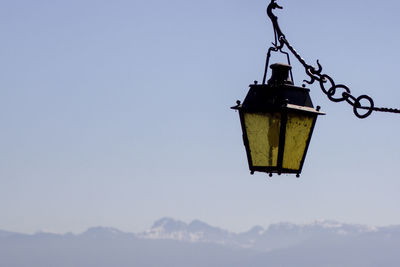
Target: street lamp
pixel 278 118
pixel 277 121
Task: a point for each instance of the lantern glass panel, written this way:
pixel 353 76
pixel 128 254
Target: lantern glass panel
pixel 298 131
pixel 262 131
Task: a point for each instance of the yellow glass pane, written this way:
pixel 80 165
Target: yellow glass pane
pixel 298 129
pixel 263 136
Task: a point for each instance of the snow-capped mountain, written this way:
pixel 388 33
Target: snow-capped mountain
pixel 196 231
pixel 276 236
pixel 104 232
pixel 171 242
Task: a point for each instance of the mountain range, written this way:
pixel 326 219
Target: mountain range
pixel 171 242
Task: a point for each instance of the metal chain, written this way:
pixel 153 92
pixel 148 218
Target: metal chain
pixel 331 92
pixel 326 83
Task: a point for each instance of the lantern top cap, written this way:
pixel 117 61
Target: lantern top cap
pixel 281 66
pixel 280 74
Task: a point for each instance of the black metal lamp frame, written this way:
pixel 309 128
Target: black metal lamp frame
pixel 281 98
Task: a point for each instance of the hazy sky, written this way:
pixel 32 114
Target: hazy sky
pixel 116 113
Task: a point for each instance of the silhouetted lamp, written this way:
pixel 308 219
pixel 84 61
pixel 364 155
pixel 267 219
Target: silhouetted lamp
pixel 278 118
pixel 277 121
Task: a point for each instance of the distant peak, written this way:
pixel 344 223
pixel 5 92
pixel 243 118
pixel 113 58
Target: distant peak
pixel 169 224
pixel 256 229
pixel 198 223
pixel 103 229
pixel 100 231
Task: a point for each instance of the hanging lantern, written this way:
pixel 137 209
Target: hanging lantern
pixel 278 118
pixel 277 121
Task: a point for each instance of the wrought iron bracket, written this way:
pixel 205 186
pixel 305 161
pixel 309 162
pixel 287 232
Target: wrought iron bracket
pixel 327 84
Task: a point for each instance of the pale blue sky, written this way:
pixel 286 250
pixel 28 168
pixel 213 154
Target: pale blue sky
pixel 116 113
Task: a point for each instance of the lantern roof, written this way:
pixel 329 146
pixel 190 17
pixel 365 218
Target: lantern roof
pixel 278 93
